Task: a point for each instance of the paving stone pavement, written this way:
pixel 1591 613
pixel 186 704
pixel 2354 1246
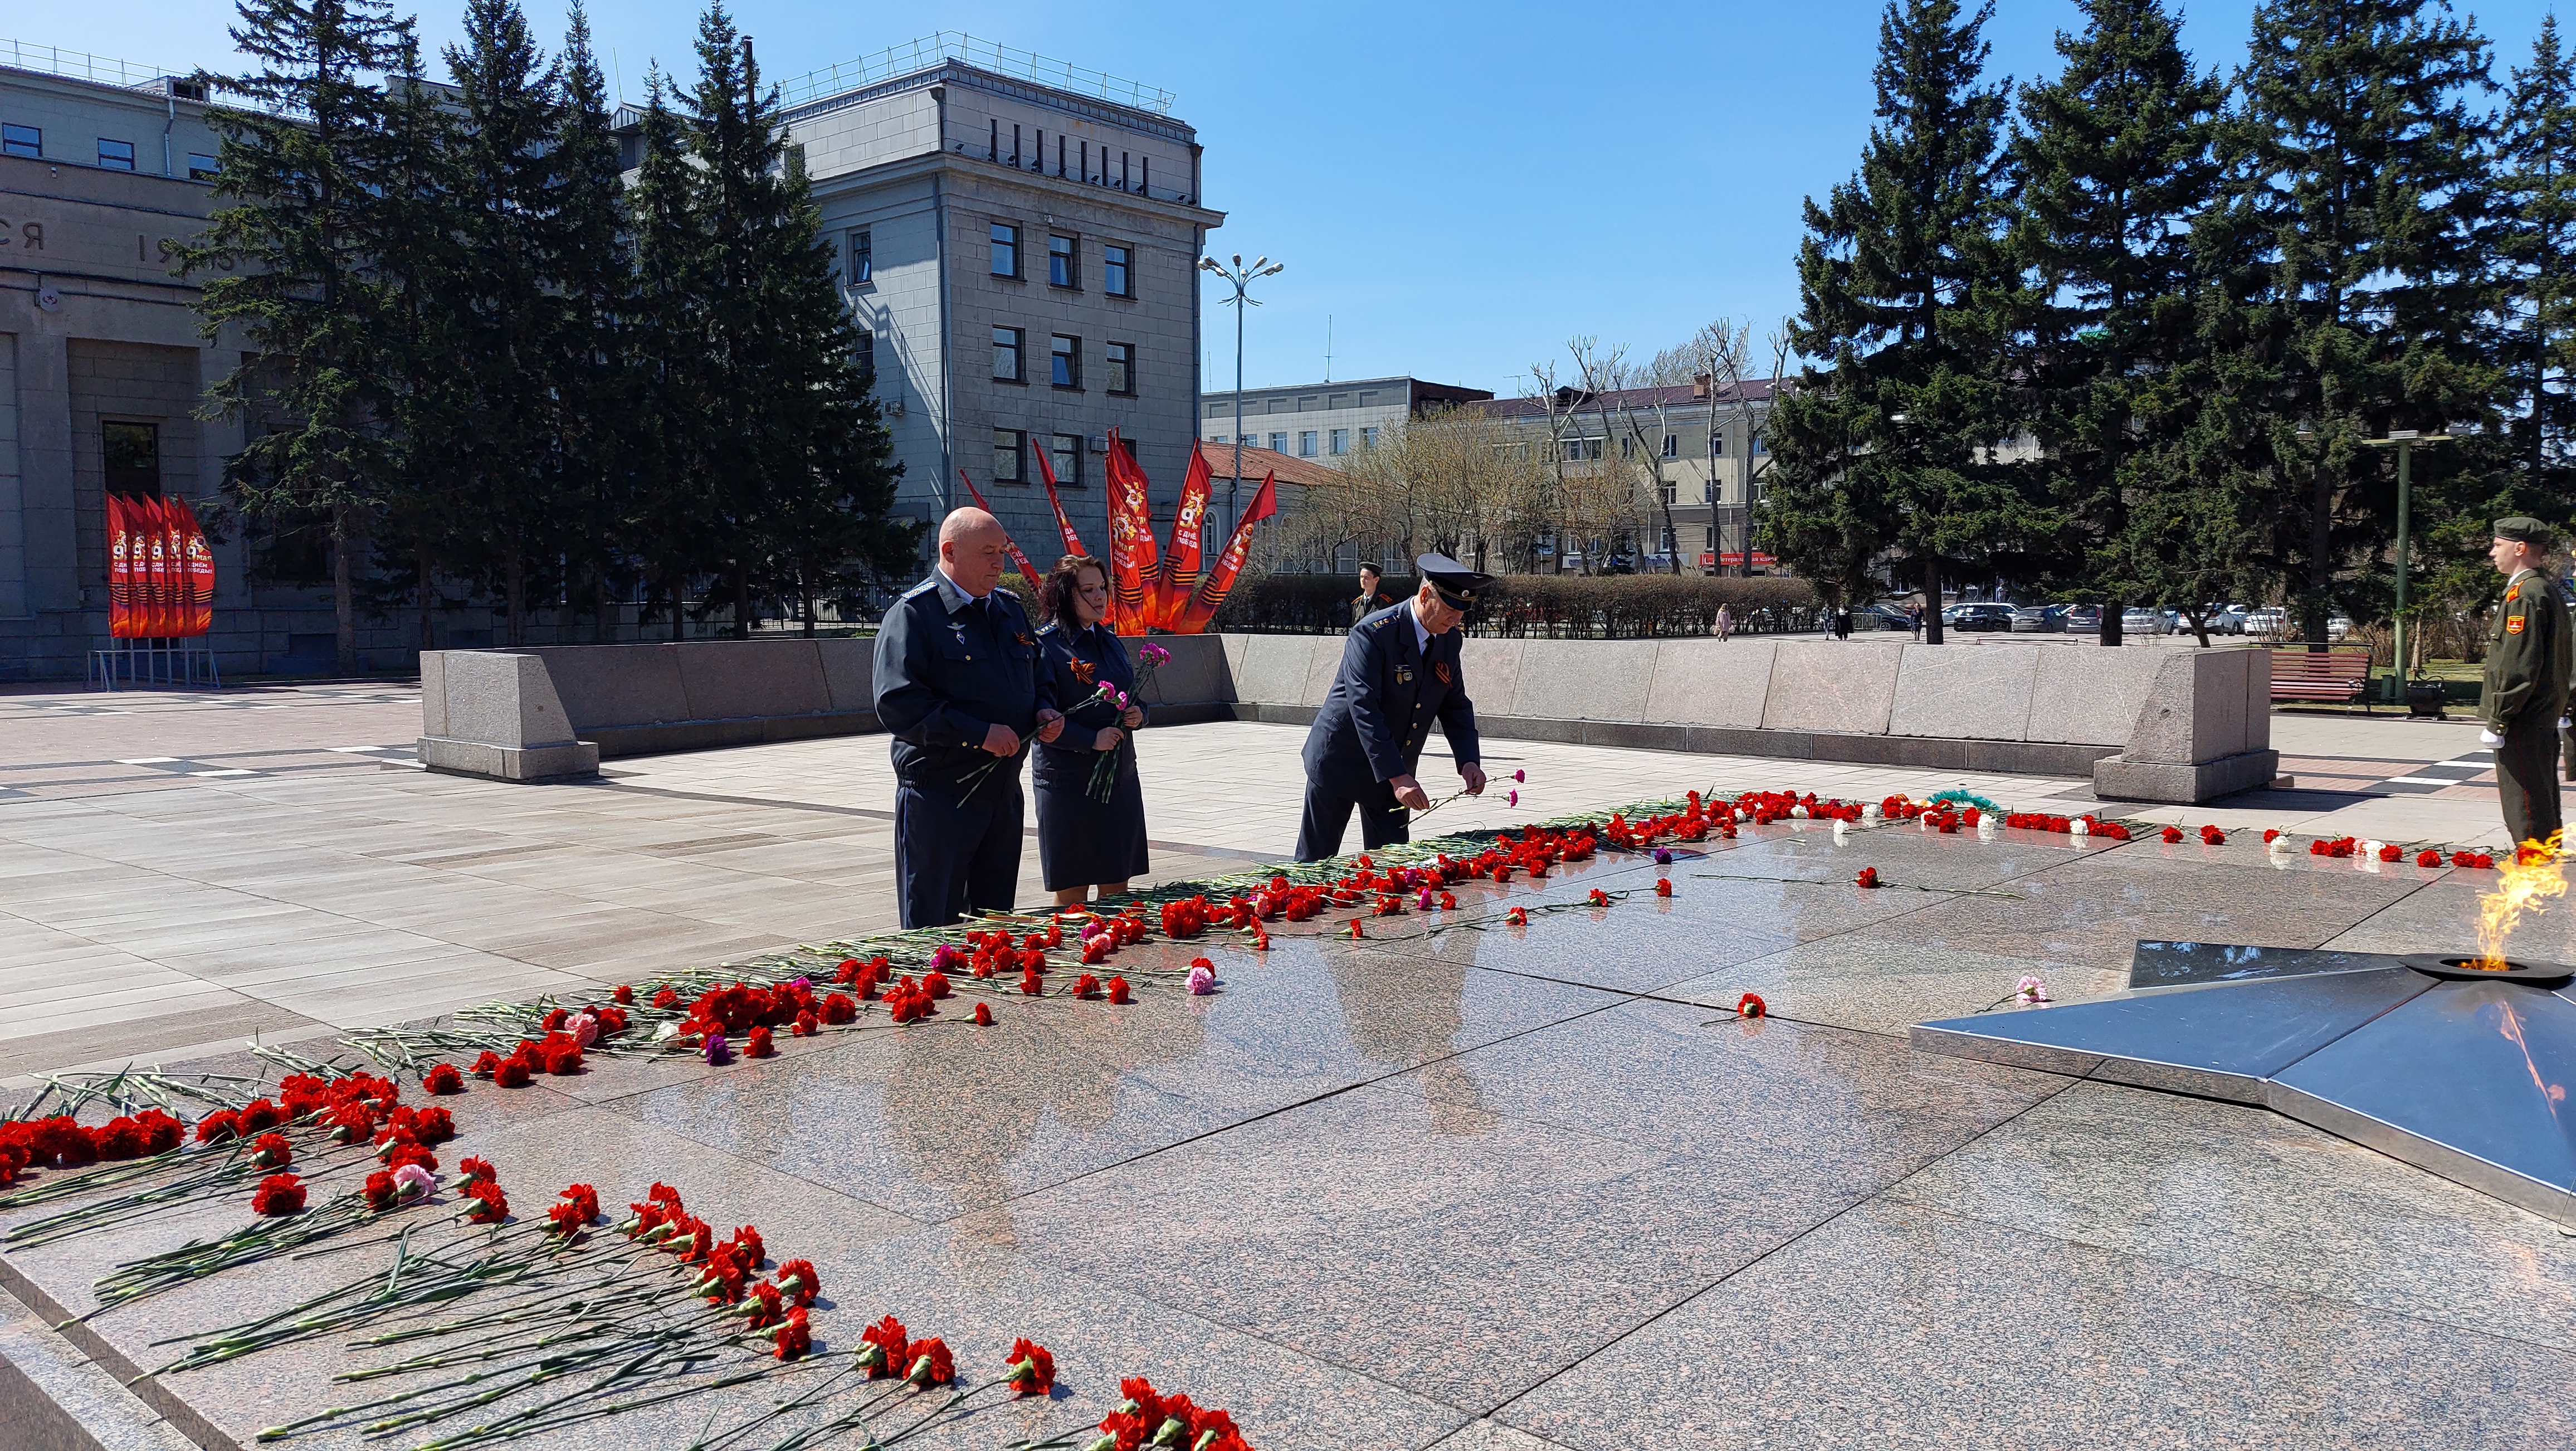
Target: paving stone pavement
pixel 1455 1184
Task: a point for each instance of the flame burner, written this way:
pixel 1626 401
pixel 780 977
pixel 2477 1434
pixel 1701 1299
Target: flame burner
pixel 2456 1069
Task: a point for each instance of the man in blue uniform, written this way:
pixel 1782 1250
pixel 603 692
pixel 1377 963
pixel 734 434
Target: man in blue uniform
pixel 961 683
pixel 1399 674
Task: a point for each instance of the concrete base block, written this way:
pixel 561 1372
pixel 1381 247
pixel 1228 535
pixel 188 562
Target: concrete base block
pixel 509 763
pixel 2115 779
pixel 54 1398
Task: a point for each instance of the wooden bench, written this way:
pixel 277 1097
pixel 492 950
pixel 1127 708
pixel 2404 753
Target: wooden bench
pixel 2342 676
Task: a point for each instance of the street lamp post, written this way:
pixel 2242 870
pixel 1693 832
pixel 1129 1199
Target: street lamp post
pixel 2404 441
pixel 1242 278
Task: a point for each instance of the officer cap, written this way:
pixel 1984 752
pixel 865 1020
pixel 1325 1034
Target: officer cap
pixel 2523 530
pixel 1457 584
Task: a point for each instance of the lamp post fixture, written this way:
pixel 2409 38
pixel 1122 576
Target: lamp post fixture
pixel 1242 278
pixel 2404 441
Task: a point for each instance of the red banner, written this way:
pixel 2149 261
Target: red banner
pixel 197 558
pixel 1131 542
pixel 120 572
pixel 155 595
pixel 1181 561
pixel 1072 541
pixel 1202 606
pixel 1018 560
pixel 1734 557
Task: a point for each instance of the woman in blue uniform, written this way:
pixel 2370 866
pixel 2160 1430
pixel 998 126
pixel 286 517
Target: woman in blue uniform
pixel 1084 841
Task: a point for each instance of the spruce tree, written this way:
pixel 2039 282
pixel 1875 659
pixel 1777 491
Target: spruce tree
pixel 2351 283
pixel 2112 161
pixel 2537 180
pixel 1906 299
pixel 667 431
pixel 503 296
pixel 592 267
pixel 302 174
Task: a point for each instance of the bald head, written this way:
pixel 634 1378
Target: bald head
pixel 974 549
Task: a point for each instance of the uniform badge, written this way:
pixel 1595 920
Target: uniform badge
pixel 1441 670
pixel 2513 624
pixel 1025 640
pixel 2512 592
pixel 1403 675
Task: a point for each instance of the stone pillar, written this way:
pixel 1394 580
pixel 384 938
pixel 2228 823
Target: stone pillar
pixel 45 483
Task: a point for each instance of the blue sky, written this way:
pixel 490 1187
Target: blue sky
pixel 1457 190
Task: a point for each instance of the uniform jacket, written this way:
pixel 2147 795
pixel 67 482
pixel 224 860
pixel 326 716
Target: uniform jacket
pixel 946 669
pixel 1077 661
pixel 1363 606
pixel 2530 653
pixel 1379 712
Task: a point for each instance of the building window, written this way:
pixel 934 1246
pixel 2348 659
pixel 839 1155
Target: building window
pixel 1717 443
pixel 1759 448
pixel 1115 278
pixel 1583 450
pixel 1007 446
pixel 1064 455
pixel 1305 443
pixel 133 454
pixel 863 258
pixel 116 155
pixel 1627 447
pixel 1122 369
pixel 1341 443
pixel 1672 445
pixel 1065 361
pixel 866 355
pixel 1278 443
pixel 18 140
pixel 1708 537
pixel 201 167
pixel 1217 407
pixel 1062 270
pixel 1006 251
pixel 1006 356
pixel 1368 439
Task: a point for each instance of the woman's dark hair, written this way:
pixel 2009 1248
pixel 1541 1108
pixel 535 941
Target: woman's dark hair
pixel 1056 591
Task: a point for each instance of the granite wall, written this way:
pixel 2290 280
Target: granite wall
pixel 2148 723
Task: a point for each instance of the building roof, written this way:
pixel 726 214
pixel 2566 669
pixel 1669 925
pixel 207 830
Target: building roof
pixel 1428 391
pixel 1679 395
pixel 1304 472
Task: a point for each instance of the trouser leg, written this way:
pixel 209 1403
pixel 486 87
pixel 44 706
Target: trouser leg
pixel 1382 822
pixel 993 872
pixel 2527 780
pixel 1319 829
pixel 928 855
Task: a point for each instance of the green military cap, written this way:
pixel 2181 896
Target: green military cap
pixel 2523 530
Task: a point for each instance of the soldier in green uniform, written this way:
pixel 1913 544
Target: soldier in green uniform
pixel 2529 661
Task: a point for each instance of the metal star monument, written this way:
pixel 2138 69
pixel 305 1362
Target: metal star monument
pixel 2457 1071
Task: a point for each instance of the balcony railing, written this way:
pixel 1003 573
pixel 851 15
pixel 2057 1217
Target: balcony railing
pixel 902 60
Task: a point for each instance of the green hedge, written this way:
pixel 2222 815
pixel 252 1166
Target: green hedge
pixel 1541 606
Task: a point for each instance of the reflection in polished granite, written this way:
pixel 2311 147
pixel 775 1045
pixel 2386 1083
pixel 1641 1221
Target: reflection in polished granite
pixel 1897 1325
pixel 1459 1184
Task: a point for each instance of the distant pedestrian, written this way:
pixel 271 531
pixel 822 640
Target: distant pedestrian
pixel 1842 622
pixel 2529 661
pixel 1370 600
pixel 1914 618
pixel 1725 623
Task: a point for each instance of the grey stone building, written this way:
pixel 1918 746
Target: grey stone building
pixel 1325 421
pixel 1019 240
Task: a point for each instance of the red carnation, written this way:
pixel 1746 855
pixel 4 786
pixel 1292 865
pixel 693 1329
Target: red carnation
pixel 1598 897
pixel 1868 877
pixel 560 1054
pixel 1086 986
pixel 272 1151
pixel 805 1026
pixel 260 1114
pixel 793 1337
pixel 623 994
pixel 433 1126
pixel 223 1123
pixel 379 1190
pixel 397 1155
pixel 2428 858
pixel 491 1206
pixel 2171 834
pixel 486 1063
pixel 442 1078
pixel 1663 887
pixel 983 1015
pixel 1032 1368
pixel 1518 917
pixel 475 1169
pixel 931 1364
pixel 1119 992
pixel 839 1008
pixel 1032 984
pixel 799 1281
pixel 1751 1006
pixel 890 1353
pixel 759 1045
pixel 768 1307
pixel 278 1194
pixel 512 1072
pixel 667 999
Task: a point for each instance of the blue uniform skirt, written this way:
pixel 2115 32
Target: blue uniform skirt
pixel 1083 841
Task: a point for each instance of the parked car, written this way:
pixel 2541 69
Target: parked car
pixel 2084 619
pixel 2142 622
pixel 2270 622
pixel 1981 617
pixel 2039 619
pixel 1881 617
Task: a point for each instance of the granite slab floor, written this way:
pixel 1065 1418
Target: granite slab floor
pixel 1485 1187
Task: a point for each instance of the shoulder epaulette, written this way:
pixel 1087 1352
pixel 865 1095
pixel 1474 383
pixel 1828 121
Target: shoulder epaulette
pixel 927 584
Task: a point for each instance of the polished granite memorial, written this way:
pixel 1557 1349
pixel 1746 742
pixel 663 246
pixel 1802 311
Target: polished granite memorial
pixel 1493 1188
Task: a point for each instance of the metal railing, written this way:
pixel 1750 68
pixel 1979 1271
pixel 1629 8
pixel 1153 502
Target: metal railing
pixel 53 60
pixel 988 55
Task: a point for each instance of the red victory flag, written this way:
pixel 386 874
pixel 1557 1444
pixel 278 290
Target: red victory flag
pixel 1072 541
pixel 197 557
pixel 1181 561
pixel 1018 560
pixel 1131 541
pixel 1202 606
pixel 155 594
pixel 120 571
